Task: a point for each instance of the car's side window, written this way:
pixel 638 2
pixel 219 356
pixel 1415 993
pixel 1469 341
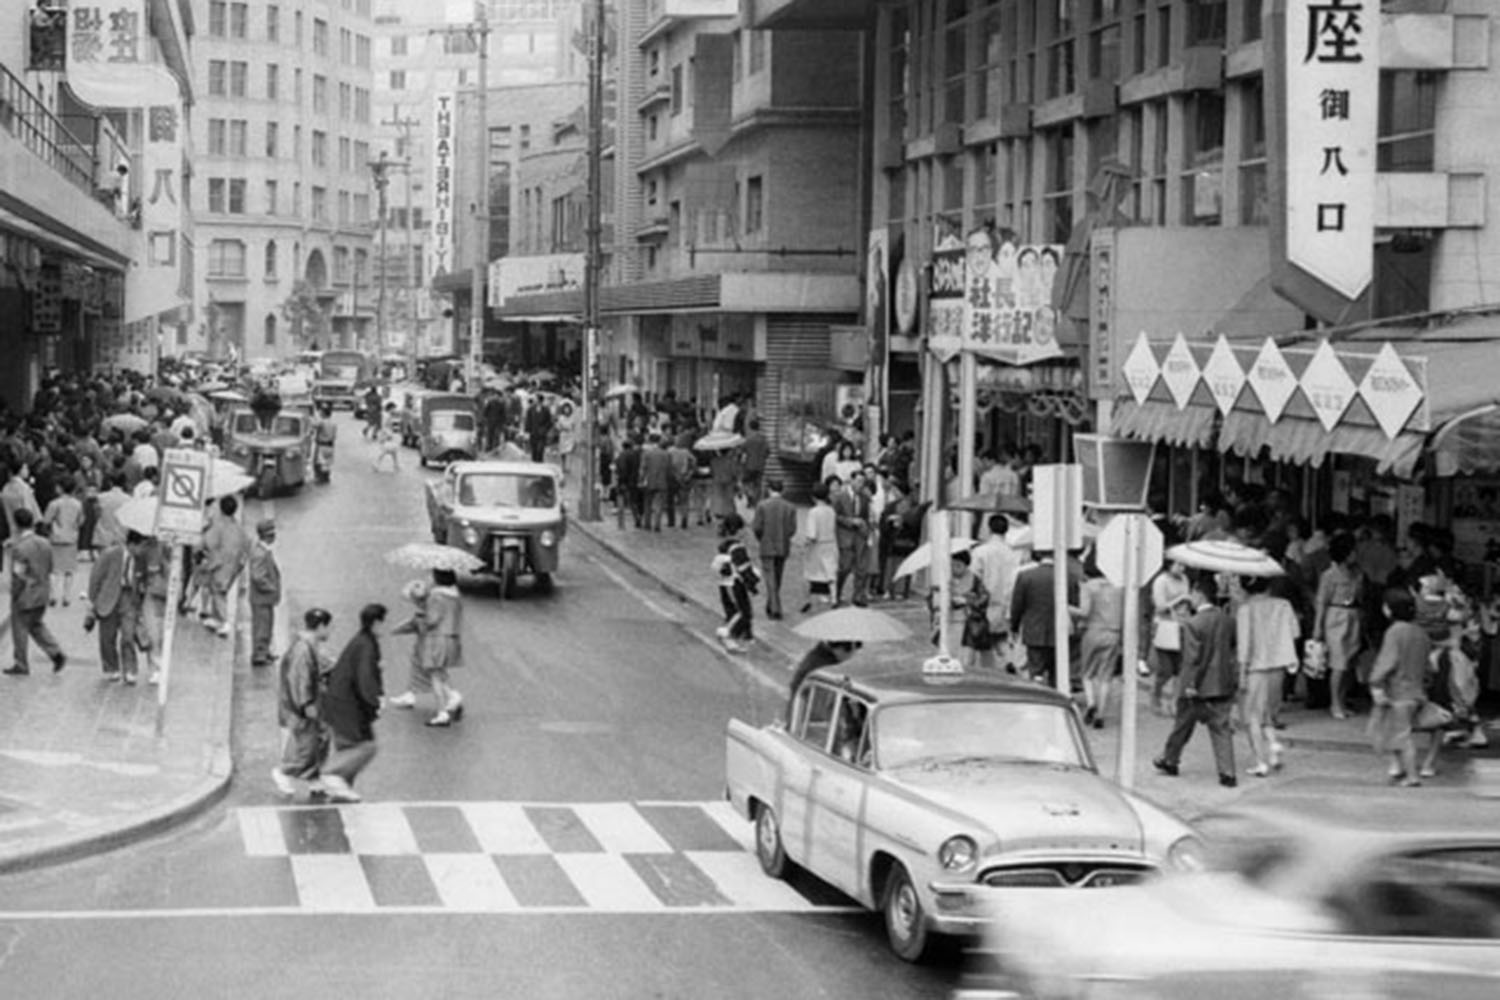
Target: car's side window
pixel 850 740
pixel 817 722
pixel 1450 893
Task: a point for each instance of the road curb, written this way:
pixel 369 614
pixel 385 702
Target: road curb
pixel 218 766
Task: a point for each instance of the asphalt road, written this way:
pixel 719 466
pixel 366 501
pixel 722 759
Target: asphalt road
pixel 566 839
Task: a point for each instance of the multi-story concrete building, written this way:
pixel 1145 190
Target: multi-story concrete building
pixel 425 54
pixel 736 241
pixel 1151 137
pixel 282 137
pixel 94 248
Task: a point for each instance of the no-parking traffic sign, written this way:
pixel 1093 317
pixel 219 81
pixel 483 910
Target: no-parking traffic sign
pixel 181 493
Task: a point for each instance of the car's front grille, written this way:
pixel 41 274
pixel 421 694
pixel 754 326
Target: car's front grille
pixel 1065 875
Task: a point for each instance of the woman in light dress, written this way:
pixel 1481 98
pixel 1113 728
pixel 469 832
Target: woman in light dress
pixel 1266 633
pixel 64 516
pixel 1101 610
pixel 820 561
pixel 567 437
pixel 1341 594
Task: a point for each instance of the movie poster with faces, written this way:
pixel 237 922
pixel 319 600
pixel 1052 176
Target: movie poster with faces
pixel 1008 314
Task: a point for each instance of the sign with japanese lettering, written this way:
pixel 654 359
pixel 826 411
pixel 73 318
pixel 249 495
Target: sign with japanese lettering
pixel 1390 391
pixel 511 277
pixel 1331 76
pixel 110 66
pixel 1223 375
pixel 1008 312
pixel 945 299
pixel 1141 369
pixel 1272 379
pixel 1179 369
pixel 444 139
pixel 1327 385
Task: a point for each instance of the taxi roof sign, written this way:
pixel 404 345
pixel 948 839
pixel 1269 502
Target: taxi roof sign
pixel 941 665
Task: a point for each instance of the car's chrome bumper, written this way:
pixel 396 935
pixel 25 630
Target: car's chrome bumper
pixel 954 908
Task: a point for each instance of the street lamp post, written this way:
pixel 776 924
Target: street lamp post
pixel 380 168
pixel 589 502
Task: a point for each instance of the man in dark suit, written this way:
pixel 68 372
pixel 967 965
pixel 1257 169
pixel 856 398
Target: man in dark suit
pixel 30 593
pixel 774 524
pixel 538 428
pixel 111 606
pixel 755 452
pixel 628 478
pixel 656 481
pixel 1032 609
pixel 851 507
pixel 1210 681
pixel 265 592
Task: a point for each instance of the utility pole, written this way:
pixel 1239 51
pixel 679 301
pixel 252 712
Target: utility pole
pixel 479 31
pixel 589 502
pixel 409 266
pixel 381 168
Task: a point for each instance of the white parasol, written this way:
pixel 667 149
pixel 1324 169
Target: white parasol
pixel 127 423
pixel 718 441
pixel 921 556
pixel 621 389
pixel 139 514
pixel 1223 555
pixel 853 625
pixel 430 556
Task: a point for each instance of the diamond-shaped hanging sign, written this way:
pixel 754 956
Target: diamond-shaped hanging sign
pixel 1390 392
pixel 1179 369
pixel 1327 385
pixel 1272 379
pixel 1224 376
pixel 1140 369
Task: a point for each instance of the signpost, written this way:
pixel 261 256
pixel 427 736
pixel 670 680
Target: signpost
pixel 1057 499
pixel 1129 552
pixel 181 495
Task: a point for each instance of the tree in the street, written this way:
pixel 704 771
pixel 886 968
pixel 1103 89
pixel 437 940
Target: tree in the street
pixel 308 320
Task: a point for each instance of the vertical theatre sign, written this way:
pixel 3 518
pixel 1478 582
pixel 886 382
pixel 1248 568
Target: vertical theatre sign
pixel 440 246
pixel 1324 88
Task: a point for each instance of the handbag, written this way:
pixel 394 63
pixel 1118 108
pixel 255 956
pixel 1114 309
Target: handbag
pixel 977 634
pixel 1431 716
pixel 1314 658
pixel 1167 635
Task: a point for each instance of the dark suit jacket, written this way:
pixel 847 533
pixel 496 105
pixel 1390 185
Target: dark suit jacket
pixel 851 509
pixel 656 469
pixel 31 569
pixel 1208 665
pixel 265 576
pixel 1032 606
pixel 775 525
pixel 107 581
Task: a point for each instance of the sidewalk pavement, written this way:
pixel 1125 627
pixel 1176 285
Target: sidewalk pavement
pixel 678 561
pixel 82 769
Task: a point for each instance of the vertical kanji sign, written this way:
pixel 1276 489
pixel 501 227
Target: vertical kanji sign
pixel 1331 76
pixel 440 246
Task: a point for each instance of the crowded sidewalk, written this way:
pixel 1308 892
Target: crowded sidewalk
pixel 82 769
pixel 1319 747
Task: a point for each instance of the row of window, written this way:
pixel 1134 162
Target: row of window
pixel 744 214
pixel 460 43
pixel 230 137
pixel 231 78
pixel 229 196
pixel 232 20
pixel 227 258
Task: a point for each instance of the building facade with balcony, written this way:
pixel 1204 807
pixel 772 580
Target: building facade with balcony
pixel 1147 131
pixel 72 190
pixel 283 192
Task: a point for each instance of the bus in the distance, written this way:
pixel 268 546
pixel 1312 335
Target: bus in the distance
pixel 341 376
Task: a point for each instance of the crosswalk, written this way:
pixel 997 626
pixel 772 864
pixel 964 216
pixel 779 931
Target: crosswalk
pixel 513 857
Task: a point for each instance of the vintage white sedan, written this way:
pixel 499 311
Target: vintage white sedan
pixel 906 786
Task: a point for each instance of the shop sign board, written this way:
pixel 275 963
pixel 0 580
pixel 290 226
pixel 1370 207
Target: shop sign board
pixel 440 211
pixel 945 300
pixel 1141 369
pixel 1390 392
pixel 1008 312
pixel 1327 385
pixel 907 295
pixel 1102 314
pixel 1272 379
pixel 1331 78
pixel 1179 369
pixel 545 273
pixel 1224 376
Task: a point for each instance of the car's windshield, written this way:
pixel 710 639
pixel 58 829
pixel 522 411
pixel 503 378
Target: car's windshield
pixel 507 489
pixel 283 425
pixel 938 732
pixel 452 420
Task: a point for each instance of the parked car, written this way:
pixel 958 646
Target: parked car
pixel 1325 891
pixel 908 785
pixel 509 514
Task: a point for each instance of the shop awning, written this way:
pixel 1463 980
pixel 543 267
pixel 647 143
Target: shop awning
pixel 1305 442
pixel 1165 423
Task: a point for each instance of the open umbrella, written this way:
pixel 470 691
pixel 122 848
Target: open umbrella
pixel 921 556
pixel 138 515
pixel 853 625
pixel 1223 555
pixel 429 556
pixel 228 396
pixel 621 389
pixel 127 423
pixel 993 502
pixel 165 394
pixel 718 441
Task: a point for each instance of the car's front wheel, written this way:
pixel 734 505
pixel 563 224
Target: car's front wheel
pixel 905 922
pixel 768 847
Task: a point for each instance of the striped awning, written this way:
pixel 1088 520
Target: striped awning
pixel 1192 427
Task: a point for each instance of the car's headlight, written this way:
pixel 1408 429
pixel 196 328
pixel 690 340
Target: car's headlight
pixel 1186 855
pixel 958 853
pixel 470 535
pixel 548 539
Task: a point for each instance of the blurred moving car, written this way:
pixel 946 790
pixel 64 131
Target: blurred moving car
pixel 907 787
pixel 509 514
pixel 1320 892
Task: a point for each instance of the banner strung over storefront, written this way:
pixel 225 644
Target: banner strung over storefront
pixel 109 66
pixel 1329 380
pixel 513 276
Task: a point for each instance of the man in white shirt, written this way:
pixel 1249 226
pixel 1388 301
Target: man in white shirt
pixel 996 564
pixel 147 486
pixel 1001 477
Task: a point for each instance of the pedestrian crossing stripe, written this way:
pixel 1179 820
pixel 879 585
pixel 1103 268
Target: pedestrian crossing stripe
pixel 514 857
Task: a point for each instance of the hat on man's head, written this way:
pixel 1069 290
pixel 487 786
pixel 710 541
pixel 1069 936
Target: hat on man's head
pixel 266 528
